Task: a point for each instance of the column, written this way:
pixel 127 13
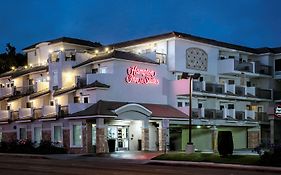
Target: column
pixel 101 143
pixel 89 137
pixel 253 137
pixel 214 131
pixel 145 136
pixel 163 135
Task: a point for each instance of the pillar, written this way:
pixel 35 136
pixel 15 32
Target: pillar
pixel 253 137
pixel 101 143
pixel 163 135
pixel 145 136
pixel 89 137
pixel 214 131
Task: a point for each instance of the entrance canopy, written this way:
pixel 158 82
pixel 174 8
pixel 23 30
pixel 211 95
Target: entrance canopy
pixel 127 110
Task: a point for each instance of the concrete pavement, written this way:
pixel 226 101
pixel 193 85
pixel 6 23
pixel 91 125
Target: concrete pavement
pixel 145 158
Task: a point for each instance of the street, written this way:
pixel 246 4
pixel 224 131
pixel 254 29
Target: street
pixel 12 165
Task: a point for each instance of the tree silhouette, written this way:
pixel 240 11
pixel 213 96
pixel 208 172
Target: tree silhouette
pixel 11 58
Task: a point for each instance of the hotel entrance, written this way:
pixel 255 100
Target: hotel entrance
pixel 127 135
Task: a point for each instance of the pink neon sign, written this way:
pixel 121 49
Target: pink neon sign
pixel 141 76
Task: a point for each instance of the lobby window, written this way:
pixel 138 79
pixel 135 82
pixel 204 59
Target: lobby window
pixel 55 78
pixel 57 133
pixel 37 134
pixel 76 135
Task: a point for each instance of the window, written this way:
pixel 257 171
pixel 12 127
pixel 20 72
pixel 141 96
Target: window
pixel 180 104
pixel 221 107
pixel 76 135
pixel 22 133
pixel 37 134
pixel 200 105
pixel 55 78
pixel 86 100
pixel 94 71
pixel 103 70
pixel 76 99
pixel 57 134
pixel 278 65
pixel 230 81
pixel 230 106
pixel 29 105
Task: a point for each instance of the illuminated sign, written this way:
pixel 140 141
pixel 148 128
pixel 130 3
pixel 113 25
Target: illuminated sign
pixel 277 111
pixel 141 76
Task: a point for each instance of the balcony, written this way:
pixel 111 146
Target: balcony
pixel 199 86
pixel 41 86
pixel 213 114
pixel 37 113
pixel 262 117
pixel 48 111
pixel 214 88
pixel 240 90
pixel 25 113
pixel 240 115
pixel 264 93
pixel 6 91
pixel 24 90
pixel 14 115
pixel 232 67
pixel 76 107
pixel 4 116
pixel 250 115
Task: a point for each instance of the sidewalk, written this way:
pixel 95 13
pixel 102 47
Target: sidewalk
pixel 215 165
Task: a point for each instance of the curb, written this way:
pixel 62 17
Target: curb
pixel 34 156
pixel 215 165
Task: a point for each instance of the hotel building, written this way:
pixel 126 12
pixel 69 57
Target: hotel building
pixel 80 94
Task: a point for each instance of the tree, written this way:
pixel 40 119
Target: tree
pixel 11 58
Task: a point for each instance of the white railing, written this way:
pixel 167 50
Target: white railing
pixel 229 88
pixel 49 110
pixel 41 86
pixel 228 113
pixel 250 114
pixel 76 107
pixel 250 90
pixel 6 91
pixel 4 114
pixel 25 112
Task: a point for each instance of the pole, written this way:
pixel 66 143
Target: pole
pixel 190 109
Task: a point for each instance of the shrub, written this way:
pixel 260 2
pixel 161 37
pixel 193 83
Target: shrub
pixel 28 147
pixel 272 156
pixel 48 147
pixel 225 143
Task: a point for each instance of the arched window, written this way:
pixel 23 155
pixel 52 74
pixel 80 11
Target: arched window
pixel 196 59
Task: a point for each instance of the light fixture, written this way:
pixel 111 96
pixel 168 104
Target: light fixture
pixel 106 49
pixel 96 51
pixel 25 66
pixel 13 68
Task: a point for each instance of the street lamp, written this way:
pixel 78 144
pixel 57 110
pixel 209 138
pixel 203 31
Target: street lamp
pixel 185 75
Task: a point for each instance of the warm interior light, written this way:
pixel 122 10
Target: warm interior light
pixel 106 49
pixel 30 65
pixel 62 49
pixel 13 68
pixel 50 50
pixel 96 51
pixel 25 66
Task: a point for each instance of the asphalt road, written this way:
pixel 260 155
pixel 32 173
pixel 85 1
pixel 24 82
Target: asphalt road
pixel 10 165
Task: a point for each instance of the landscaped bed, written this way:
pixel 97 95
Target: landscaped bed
pixel 211 157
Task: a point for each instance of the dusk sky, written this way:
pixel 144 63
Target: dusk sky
pixel 253 23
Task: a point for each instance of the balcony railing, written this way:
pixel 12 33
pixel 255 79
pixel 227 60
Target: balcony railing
pixel 24 90
pixel 14 115
pixel 198 86
pixel 264 93
pixel 262 117
pixel 215 88
pixel 6 91
pixel 243 66
pixel 25 113
pixel 263 69
pixel 239 90
pixel 4 115
pixel 239 115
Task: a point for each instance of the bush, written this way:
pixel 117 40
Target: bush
pixel 225 143
pixel 27 147
pixel 272 156
pixel 48 147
